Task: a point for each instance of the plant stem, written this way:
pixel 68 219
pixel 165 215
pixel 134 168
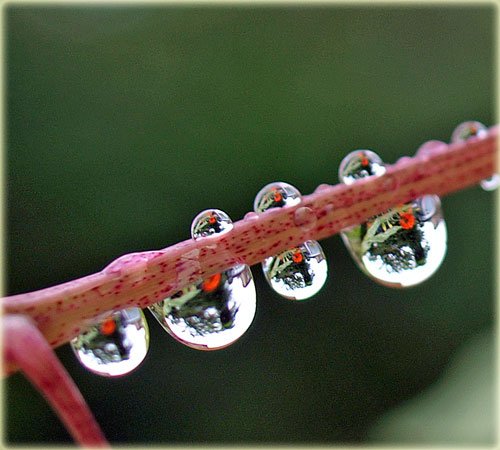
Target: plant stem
pixel 141 279
pixel 27 348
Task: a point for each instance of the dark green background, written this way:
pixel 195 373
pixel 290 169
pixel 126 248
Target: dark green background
pixel 124 122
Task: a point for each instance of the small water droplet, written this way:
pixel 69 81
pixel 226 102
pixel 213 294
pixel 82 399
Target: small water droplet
pixel 491 183
pixel 390 183
pixel 305 218
pixel 430 148
pixel 114 346
pixel 474 129
pixel 214 312
pixel 323 187
pixel 467 130
pixel 297 273
pixel 328 208
pixel 300 272
pixel 402 247
pixel 276 195
pixel 427 206
pixel 360 164
pixel 251 216
pixel 404 159
pixel 132 264
pixel 210 222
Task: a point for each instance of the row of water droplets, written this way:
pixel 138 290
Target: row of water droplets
pixel 399 248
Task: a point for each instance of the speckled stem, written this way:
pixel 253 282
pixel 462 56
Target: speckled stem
pixel 140 279
pixel 26 347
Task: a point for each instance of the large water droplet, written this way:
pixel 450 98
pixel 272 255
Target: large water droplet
pixel 116 345
pixel 214 312
pixel 300 272
pixel 471 129
pixel 402 247
pixel 297 273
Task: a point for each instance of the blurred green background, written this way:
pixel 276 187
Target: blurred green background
pixel 124 122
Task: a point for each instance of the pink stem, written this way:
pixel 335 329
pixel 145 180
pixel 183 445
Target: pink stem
pixel 26 347
pixel 141 279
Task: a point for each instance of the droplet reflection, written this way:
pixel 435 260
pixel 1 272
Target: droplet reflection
pixel 402 247
pixel 360 164
pixel 472 129
pixel 300 272
pixel 210 222
pixel 116 345
pixel 214 312
pixel 297 273
pixel 276 195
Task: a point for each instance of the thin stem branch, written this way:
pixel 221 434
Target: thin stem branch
pixel 27 348
pixel 141 279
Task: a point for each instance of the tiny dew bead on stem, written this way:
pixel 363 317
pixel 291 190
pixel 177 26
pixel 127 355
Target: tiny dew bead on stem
pixel 142 279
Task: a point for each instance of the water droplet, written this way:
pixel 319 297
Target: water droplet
pixel 214 312
pixel 305 218
pixel 297 273
pixel 491 183
pixel 115 345
pixel 251 216
pixel 276 195
pixel 300 272
pixel 390 183
pixel 404 159
pixel 467 130
pixel 430 148
pixel 474 129
pixel 210 222
pixel 402 247
pixel 360 164
pixel 328 208
pixel 323 187
pixel 133 265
